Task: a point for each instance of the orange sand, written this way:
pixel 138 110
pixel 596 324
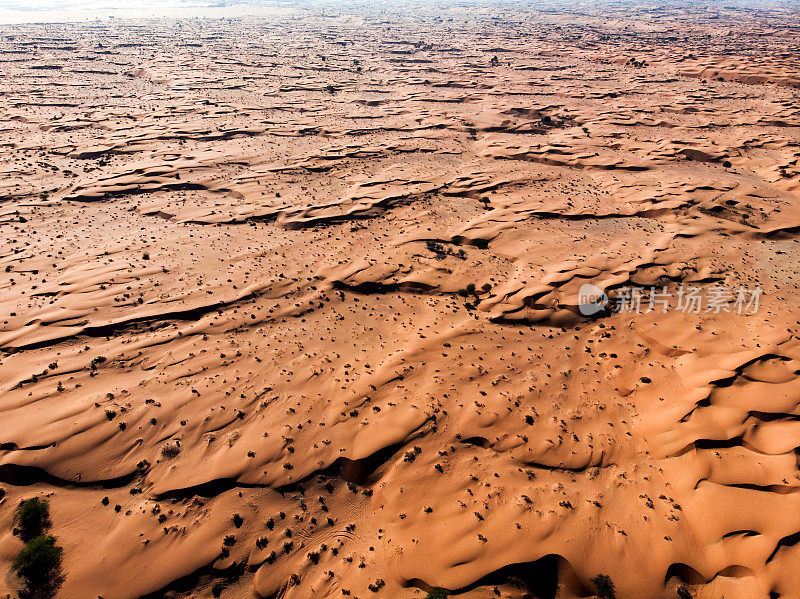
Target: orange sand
pixel 236 216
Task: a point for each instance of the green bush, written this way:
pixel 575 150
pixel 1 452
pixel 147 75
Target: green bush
pixel 437 593
pixel 33 517
pixel 39 564
pixel 604 586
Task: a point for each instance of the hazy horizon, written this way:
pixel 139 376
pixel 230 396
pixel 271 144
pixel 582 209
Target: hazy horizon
pixel 55 11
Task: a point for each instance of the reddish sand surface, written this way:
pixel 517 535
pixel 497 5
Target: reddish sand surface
pixel 290 305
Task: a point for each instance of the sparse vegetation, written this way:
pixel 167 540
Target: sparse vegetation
pixel 441 251
pixel 170 451
pixel 96 362
pixel 604 586
pixel 33 517
pixel 308 323
pixel 38 564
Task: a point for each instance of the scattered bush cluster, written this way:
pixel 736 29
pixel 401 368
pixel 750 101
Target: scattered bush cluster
pixel 38 564
pixel 33 517
pixel 604 586
pixel 441 251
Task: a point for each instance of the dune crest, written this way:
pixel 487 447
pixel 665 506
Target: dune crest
pixel 295 305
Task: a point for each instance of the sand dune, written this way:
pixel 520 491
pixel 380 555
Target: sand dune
pixel 291 306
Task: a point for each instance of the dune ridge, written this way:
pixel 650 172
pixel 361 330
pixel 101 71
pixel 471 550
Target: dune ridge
pixel 291 305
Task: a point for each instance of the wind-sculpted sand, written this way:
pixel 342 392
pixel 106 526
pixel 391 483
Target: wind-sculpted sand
pixel 290 306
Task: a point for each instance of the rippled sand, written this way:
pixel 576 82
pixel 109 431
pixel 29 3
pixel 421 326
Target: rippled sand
pixel 290 306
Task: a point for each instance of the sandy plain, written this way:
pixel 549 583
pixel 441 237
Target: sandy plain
pixel 289 305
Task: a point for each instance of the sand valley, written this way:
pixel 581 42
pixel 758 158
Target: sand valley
pixel 290 306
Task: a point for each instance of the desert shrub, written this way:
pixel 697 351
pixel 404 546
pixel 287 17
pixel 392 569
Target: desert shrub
pixel 437 593
pixel 436 248
pixel 604 586
pixel 170 451
pixel 683 593
pixel 33 516
pixel 39 565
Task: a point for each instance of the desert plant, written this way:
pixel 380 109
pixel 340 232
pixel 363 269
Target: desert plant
pixel 33 517
pixel 683 593
pixel 170 451
pixel 437 593
pixel 604 586
pixel 39 565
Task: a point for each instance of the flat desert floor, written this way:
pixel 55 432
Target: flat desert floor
pixel 291 306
